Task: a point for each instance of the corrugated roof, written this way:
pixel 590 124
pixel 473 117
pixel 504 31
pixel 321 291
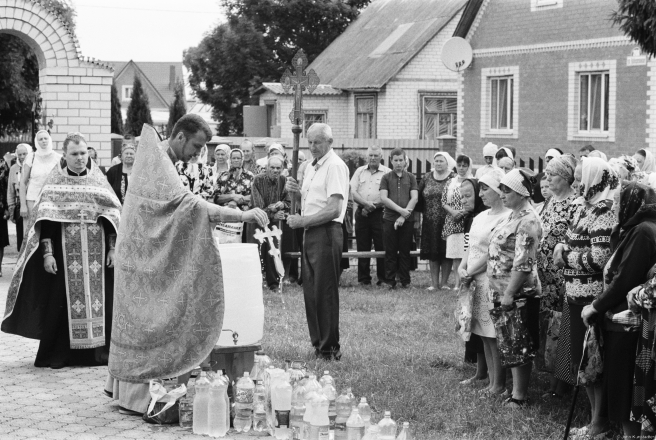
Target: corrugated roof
pixel 322 89
pixel 157 73
pixel 384 38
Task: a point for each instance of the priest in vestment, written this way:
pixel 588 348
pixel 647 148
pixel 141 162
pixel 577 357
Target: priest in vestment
pixel 168 307
pixel 61 289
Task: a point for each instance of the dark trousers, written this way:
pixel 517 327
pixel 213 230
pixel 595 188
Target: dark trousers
pixel 398 243
pixel 270 273
pixel 367 229
pixel 19 232
pixel 322 252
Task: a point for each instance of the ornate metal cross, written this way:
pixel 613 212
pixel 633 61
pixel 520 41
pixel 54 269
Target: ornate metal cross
pixel 299 81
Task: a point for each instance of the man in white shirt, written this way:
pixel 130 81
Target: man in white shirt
pixel 323 197
pixel 365 185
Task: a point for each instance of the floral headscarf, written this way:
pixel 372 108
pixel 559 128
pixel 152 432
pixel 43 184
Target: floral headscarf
pixel 598 180
pixel 562 166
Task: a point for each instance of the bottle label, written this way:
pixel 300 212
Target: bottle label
pixel 282 419
pixel 244 395
pixel 324 433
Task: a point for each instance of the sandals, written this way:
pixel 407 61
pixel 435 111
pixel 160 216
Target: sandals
pixel 485 393
pixel 582 434
pixel 511 402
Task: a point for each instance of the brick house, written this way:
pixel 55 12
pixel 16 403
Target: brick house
pixel 553 73
pixel 158 80
pixel 382 78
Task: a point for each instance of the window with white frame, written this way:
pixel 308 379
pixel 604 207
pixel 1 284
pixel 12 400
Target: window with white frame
pixel 499 102
pixel 541 5
pixel 312 117
pixel 439 112
pixel 127 93
pixel 365 116
pixel 591 98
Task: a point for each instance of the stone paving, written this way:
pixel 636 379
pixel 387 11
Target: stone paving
pixel 40 403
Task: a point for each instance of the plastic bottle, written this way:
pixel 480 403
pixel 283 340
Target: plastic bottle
pixel 328 385
pixel 259 410
pixel 320 424
pixel 201 401
pixel 355 426
pixel 343 407
pixel 186 405
pixel 326 378
pixel 365 412
pixel 226 395
pixel 387 428
pixel 296 372
pixel 372 433
pixel 405 432
pixel 216 408
pixel 298 410
pixel 281 401
pixel 312 385
pixel 244 403
pixel 308 415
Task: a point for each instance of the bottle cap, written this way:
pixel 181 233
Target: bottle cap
pixel 326 372
pixel 388 414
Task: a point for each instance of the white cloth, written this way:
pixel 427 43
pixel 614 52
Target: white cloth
pixel 598 180
pixel 492 178
pixel 480 235
pixel 490 149
pixel 553 153
pixel 649 165
pixel 367 184
pixel 451 162
pixel 330 176
pixel 40 167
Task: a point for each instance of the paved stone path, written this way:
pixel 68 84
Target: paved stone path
pixel 40 403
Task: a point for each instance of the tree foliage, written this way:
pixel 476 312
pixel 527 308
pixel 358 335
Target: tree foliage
pixel 138 110
pixel 19 76
pixel 256 44
pixel 116 116
pixel 637 19
pixel 178 107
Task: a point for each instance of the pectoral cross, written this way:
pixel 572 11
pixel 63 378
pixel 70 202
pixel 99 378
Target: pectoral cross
pixel 268 235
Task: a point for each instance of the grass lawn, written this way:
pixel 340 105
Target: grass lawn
pixel 389 339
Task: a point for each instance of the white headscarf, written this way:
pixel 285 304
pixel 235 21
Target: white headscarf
pixel 553 153
pixel 508 152
pixel 598 154
pixel 598 180
pixel 492 178
pixel 43 151
pixel 490 149
pixel 450 162
pixel 649 165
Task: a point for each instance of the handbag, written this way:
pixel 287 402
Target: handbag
pixel 463 309
pixel 515 344
pixel 591 366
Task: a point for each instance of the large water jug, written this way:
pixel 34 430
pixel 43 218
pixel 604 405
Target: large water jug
pixel 320 423
pixel 217 424
pixel 281 400
pixel 343 408
pixel 354 426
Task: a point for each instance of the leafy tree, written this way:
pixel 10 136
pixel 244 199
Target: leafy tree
pixel 138 110
pixel 116 116
pixel 637 19
pixel 178 107
pixel 256 44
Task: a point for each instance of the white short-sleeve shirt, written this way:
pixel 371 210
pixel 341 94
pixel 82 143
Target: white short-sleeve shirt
pixel 329 176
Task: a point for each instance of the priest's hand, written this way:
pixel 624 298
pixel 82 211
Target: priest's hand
pixel 256 215
pixel 295 221
pixel 50 265
pixel 110 258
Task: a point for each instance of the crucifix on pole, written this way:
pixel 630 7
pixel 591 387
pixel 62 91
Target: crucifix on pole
pixel 298 80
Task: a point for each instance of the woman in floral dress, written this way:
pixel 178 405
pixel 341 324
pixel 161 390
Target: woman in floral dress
pixel 198 177
pixel 556 216
pixel 433 246
pixel 233 187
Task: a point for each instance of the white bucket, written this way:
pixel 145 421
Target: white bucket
pixel 242 286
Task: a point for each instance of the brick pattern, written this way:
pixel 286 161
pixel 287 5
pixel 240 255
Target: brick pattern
pixel 651 105
pixel 75 91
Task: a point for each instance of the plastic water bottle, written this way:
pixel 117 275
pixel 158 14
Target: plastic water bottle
pixel 298 410
pixel 372 433
pixel 307 416
pixel 216 408
pixel 312 385
pixel 201 401
pixel 405 432
pixel 296 372
pixel 328 386
pixel 244 403
pixel 354 426
pixel 186 404
pixel 365 411
pixel 343 406
pixel 226 396
pixel 351 397
pixel 281 401
pixel 259 416
pixel 387 428
pixel 320 424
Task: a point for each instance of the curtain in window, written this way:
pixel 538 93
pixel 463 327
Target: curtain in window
pixel 311 118
pixel 503 103
pixel 583 125
pixel 595 102
pixel 365 117
pixel 439 117
pixel 494 113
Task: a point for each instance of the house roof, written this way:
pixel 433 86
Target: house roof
pixel 156 74
pixel 322 89
pixel 381 41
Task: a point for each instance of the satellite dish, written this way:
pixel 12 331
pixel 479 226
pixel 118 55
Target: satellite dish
pixel 457 54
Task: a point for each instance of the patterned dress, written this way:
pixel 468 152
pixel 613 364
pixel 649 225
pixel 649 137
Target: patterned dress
pixel 479 241
pixel 197 177
pixel 556 217
pixel 230 183
pixel 433 246
pixel 453 230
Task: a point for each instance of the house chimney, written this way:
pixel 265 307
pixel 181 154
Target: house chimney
pixel 171 77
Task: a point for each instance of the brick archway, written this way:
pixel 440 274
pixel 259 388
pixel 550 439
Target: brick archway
pixel 75 89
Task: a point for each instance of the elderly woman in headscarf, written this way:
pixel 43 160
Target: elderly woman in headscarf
pixel 489 151
pixel 197 175
pixel 512 267
pixel 36 168
pixel 221 165
pixel 647 167
pixel 505 151
pixel 479 224
pixel 583 255
pixel 634 255
pixel 556 216
pixel 625 167
pixel 433 246
pixel 538 198
pixel 118 175
pixel 233 187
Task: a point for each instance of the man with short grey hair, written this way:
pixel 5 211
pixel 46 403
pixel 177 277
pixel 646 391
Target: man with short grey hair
pixel 249 156
pixel 365 185
pixel 323 200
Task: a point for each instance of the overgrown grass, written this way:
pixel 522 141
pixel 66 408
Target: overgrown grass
pixel 389 339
